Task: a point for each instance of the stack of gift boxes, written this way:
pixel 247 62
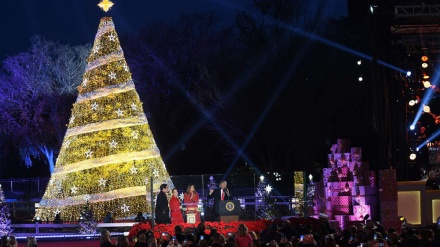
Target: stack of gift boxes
pixel 348 188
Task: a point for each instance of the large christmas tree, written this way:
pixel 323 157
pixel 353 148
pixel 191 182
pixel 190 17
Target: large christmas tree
pixel 108 154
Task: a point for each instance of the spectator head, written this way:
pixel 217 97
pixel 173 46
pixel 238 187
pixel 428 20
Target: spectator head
pixel 177 229
pixel 253 235
pixel 406 226
pixel 30 241
pixel 201 228
pixel 370 226
pixel 285 224
pixel 105 236
pixel 142 238
pixel 187 230
pixel 123 241
pixel 330 240
pixel 360 227
pixel 256 243
pixel 308 239
pixel 272 243
pixel 360 236
pixel 152 242
pixel 394 236
pixel 352 229
pixel 323 216
pixel 12 241
pixel 203 243
pixel 242 230
pixel 273 227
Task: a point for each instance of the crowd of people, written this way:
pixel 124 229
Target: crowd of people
pixel 370 234
pixel 11 241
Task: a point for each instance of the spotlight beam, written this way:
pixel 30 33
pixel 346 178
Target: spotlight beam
pixel 207 114
pixel 214 109
pixel 268 106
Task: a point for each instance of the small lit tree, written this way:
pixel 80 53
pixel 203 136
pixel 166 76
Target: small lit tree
pixel 266 204
pixel 212 185
pixel 5 222
pixel 87 224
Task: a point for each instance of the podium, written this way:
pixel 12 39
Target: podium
pixel 191 218
pixel 229 210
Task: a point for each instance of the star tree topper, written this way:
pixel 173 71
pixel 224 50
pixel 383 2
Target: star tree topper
pixel 105 5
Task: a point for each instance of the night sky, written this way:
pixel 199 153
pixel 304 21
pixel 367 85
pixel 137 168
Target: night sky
pixel 75 22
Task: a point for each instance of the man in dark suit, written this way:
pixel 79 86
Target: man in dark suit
pixel 219 194
pixel 162 208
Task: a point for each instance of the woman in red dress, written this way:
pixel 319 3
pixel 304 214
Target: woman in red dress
pixel 176 212
pixel 191 200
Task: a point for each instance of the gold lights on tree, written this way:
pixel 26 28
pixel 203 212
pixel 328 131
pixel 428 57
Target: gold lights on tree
pixel 424 58
pixel 105 5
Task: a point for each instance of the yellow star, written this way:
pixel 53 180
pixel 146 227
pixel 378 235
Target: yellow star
pixel 105 5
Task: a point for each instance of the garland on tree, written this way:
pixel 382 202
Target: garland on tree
pixel 5 222
pixel 266 204
pixel 87 224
